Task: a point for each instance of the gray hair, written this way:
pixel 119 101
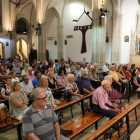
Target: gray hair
pixel 35 92
pixel 95 64
pixel 69 76
pixel 30 68
pixel 112 66
pixel 108 77
pixel 77 66
pixel 83 71
pixel 49 73
pixel 66 65
pixel 104 82
pixel 93 70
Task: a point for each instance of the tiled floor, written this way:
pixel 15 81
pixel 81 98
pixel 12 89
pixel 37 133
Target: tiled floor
pixel 12 135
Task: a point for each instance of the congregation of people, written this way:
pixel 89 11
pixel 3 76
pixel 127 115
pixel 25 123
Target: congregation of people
pixel 19 79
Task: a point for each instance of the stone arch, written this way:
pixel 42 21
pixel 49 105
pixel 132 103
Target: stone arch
pixel 2 50
pixel 23 39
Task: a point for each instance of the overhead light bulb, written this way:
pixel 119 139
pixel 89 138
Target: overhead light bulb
pixel 75 21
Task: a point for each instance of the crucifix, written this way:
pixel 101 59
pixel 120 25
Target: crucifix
pixel 83 29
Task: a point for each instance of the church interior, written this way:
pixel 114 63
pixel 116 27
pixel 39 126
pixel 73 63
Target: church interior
pixel 77 38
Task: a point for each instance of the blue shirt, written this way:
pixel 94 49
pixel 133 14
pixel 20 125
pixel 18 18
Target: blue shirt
pixel 45 67
pixel 4 63
pixel 84 83
pixel 59 65
pixel 36 82
pixel 17 69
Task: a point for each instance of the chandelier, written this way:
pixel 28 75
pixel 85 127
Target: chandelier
pixel 18 2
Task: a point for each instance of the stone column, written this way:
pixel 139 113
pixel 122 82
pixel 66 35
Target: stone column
pixel 116 33
pixel 29 42
pixel 98 34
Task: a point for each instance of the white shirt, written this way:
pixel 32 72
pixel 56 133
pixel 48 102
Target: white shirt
pixel 68 70
pixel 15 80
pixel 105 68
pixel 27 88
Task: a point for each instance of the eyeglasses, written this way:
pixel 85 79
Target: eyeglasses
pixel 42 98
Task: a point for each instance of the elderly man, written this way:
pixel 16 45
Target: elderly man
pixel 83 67
pixel 77 73
pixel 94 78
pixel 37 79
pixel 16 68
pixel 84 83
pixel 84 60
pixel 117 81
pixel 45 66
pixel 105 69
pixel 101 103
pixel 27 87
pixel 39 122
pixel 30 75
pixel 73 67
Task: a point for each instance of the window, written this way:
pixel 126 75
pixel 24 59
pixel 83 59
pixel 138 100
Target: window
pixel 21 27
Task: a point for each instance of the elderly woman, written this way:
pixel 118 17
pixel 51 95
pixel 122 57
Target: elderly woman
pixel 51 81
pixel 72 91
pixel 123 77
pixel 119 103
pixel 6 90
pixel 61 78
pixel 18 101
pixel 135 79
pixel 14 78
pixel 77 73
pixel 50 99
pixel 24 71
pixel 68 70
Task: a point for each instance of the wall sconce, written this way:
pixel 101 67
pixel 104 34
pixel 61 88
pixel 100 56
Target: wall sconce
pixel 9 32
pixel 103 11
pixel 87 13
pixel 37 29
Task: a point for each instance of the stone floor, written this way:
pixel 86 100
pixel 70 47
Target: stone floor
pixel 12 135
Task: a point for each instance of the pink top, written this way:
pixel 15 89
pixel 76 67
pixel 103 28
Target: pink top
pixel 31 77
pixel 51 70
pixel 61 81
pixel 100 97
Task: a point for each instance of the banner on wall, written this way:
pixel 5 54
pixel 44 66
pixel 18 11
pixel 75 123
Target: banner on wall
pixel 83 29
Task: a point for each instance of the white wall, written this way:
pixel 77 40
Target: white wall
pixel 129 9
pixel 109 30
pixel 51 31
pixel 74 10
pixel 24 47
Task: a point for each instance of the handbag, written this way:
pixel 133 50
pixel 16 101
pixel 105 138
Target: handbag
pixel 3 115
pixel 115 95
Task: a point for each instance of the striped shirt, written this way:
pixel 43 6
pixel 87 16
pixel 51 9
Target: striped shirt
pixel 41 124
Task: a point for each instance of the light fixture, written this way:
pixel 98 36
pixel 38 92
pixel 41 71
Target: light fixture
pixel 103 11
pixel 18 2
pixel 37 29
pixel 9 32
pixel 87 13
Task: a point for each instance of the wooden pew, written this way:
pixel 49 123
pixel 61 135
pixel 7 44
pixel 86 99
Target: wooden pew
pixel 101 131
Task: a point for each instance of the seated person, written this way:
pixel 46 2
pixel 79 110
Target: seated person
pixel 30 75
pixel 18 101
pixel 56 69
pixel 101 103
pixel 63 68
pixel 16 67
pixel 45 66
pixel 50 99
pixel 26 64
pixel 68 70
pixel 73 67
pixel 94 78
pixel 6 90
pixel 84 84
pixel 24 71
pixel 61 78
pixel 14 78
pixel 77 73
pixel 105 69
pixel 3 73
pixel 83 67
pixel 127 73
pixel 44 73
pixel 10 67
pixel 117 81
pixel 72 91
pixel 35 66
pixel 135 79
pixel 133 66
pixel 123 77
pixel 6 69
pixel 34 125
pixel 51 69
pixel 37 79
pixel 51 81
pixel 88 67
